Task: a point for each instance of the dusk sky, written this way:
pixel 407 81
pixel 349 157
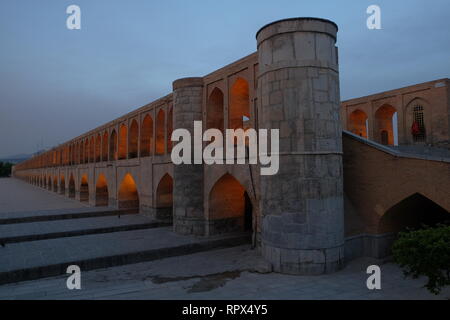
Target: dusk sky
pixel 57 83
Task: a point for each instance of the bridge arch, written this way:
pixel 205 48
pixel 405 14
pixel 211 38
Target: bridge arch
pixel 384 125
pixel 113 146
pixel 55 184
pixel 123 134
pixel 98 148
pixel 169 129
pixel 101 191
pixel 164 198
pixel 105 146
pixel 71 186
pixel 62 184
pixel 146 136
pixel 160 132
pixel 92 149
pixel 239 112
pixel 133 140
pixel 357 123
pixel 413 212
pixel 128 195
pixel 84 189
pixel 229 206
pixel 215 110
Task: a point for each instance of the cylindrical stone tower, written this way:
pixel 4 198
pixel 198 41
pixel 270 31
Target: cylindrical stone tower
pixel 298 93
pixel 188 178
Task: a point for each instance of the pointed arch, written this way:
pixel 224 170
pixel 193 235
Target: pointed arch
pixel 146 136
pixel 230 207
pixel 105 146
pixel 98 148
pixel 133 140
pixel 92 149
pixel 164 198
pixel 239 112
pixel 215 111
pixel 418 121
pixel 71 186
pixel 101 191
pixel 62 184
pixel 84 189
pixel 55 184
pixel 357 123
pixel 413 212
pixel 128 196
pixel 384 126
pixel 123 134
pixel 113 146
pixel 160 132
pixel 81 145
pixel 169 129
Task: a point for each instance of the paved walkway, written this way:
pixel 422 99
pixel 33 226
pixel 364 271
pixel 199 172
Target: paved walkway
pixel 85 225
pixel 34 254
pixel 221 274
pixel 17 196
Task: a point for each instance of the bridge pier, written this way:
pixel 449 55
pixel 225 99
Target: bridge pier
pixel 189 217
pixel 298 89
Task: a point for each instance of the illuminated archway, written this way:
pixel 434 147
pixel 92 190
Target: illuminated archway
pixel 214 112
pixel 169 130
pixel 84 189
pixel 92 150
pixel 101 191
pixel 98 148
pixel 239 111
pixel 133 140
pixel 160 134
pixel 86 151
pixel 113 146
pixel 164 198
pixel 71 186
pixel 55 184
pixel 105 146
pixel 384 126
pixel 128 194
pixel 146 136
pixel 62 185
pixel 357 123
pixel 123 133
pixel 230 208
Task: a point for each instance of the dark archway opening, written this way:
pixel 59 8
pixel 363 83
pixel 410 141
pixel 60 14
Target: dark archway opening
pixel 71 187
pixel 101 192
pixel 230 207
pixel 84 189
pixel 414 212
pixel 164 198
pixel 62 184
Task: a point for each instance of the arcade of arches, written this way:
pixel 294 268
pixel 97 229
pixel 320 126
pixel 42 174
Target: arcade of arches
pixel 126 162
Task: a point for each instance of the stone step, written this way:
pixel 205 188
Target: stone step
pixel 46 258
pixel 33 231
pixel 50 215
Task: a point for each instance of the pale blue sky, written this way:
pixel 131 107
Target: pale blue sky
pixel 57 83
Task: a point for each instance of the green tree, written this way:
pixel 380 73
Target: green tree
pixel 425 252
pixel 5 169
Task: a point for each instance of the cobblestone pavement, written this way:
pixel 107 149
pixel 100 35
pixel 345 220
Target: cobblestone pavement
pixel 222 274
